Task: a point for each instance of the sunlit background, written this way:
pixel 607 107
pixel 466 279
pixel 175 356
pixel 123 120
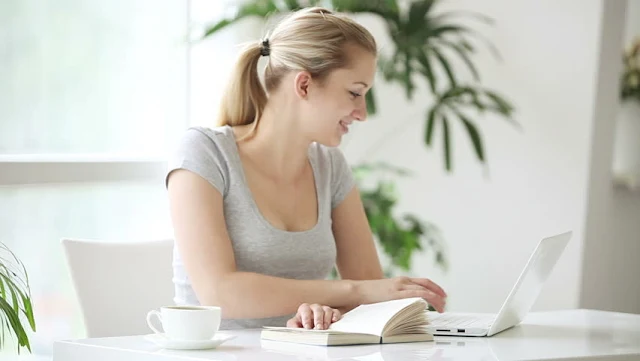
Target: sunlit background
pixel 88 85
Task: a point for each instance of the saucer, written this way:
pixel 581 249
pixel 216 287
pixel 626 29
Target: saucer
pixel 163 341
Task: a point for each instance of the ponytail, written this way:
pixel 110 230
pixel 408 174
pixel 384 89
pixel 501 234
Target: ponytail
pixel 245 98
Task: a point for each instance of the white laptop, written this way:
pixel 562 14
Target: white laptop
pixel 519 301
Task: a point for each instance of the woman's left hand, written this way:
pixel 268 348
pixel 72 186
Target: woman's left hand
pixel 314 316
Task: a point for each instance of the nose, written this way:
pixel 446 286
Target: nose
pixel 360 113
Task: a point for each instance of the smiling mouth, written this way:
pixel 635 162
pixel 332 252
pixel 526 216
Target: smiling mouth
pixel 344 126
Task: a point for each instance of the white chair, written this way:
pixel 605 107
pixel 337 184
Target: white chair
pixel 117 283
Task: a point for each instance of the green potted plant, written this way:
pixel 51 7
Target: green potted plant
pixel 398 235
pixel 16 311
pixel 424 41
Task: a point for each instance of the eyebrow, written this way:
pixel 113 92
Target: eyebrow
pixel 363 83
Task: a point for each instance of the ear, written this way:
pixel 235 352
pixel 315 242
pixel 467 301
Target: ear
pixel 302 82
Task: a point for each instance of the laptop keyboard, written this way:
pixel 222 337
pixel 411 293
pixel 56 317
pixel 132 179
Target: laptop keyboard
pixel 460 321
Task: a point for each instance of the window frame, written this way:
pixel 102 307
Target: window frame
pixel 26 169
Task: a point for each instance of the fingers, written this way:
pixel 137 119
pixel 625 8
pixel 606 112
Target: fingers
pixel 305 313
pixel 331 315
pixel 294 322
pixel 314 316
pixel 438 302
pixel 430 285
pixel 433 299
pixel 328 317
pixel 318 316
pixel 337 315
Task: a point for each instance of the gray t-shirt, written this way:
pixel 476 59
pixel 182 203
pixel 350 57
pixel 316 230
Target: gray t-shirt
pixel 259 247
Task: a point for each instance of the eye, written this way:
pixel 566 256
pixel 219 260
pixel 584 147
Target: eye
pixel 355 94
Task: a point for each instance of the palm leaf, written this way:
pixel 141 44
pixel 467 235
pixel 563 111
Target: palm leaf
pixel 3 291
pixel 474 135
pixel 14 287
pixel 466 45
pixel 260 8
pixel 28 312
pixel 439 31
pixel 431 121
pixel 502 105
pixel 417 13
pixel 445 65
pixel 406 77
pixel 14 299
pixel 446 142
pixel 424 61
pixel 14 322
pixel 462 51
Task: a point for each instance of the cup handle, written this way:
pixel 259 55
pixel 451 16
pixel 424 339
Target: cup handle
pixel 149 317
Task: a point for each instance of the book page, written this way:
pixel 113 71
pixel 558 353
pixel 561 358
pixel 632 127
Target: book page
pixel 371 318
pixel 299 330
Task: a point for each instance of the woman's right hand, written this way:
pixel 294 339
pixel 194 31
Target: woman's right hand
pixel 371 291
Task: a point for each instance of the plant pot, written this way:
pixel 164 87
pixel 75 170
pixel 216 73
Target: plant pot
pixel 627 142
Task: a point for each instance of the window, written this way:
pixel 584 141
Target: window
pixel 93 94
pixel 92 76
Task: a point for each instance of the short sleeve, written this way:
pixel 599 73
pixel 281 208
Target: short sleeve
pixel 342 179
pixel 198 152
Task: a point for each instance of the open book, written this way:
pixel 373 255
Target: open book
pixel 396 321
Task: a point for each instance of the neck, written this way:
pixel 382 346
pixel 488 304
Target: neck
pixel 279 148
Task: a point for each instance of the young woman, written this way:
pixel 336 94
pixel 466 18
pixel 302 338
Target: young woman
pixel 264 204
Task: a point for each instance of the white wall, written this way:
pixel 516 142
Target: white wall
pixel 612 241
pixel 537 177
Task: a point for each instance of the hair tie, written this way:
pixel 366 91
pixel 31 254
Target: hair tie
pixel 265 50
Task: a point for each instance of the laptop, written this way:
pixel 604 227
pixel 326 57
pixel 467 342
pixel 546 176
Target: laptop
pixel 518 303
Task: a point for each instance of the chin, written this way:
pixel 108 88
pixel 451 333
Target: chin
pixel 333 141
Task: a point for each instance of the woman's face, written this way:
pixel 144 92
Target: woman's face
pixel 329 108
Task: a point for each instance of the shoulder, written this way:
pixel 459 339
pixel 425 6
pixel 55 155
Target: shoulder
pixel 204 143
pixel 206 152
pixel 199 134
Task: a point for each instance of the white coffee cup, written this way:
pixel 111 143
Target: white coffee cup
pixel 187 323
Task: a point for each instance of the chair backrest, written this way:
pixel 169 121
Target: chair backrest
pixel 117 283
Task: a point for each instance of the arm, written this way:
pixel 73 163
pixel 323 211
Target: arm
pixel 357 257
pixel 203 242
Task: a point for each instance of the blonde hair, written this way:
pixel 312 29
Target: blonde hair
pixel 311 39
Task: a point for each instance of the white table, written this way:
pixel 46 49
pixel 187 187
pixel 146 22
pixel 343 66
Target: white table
pixel 566 335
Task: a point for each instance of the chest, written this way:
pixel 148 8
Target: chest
pixel 292 206
pixel 262 244
pixel 280 230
